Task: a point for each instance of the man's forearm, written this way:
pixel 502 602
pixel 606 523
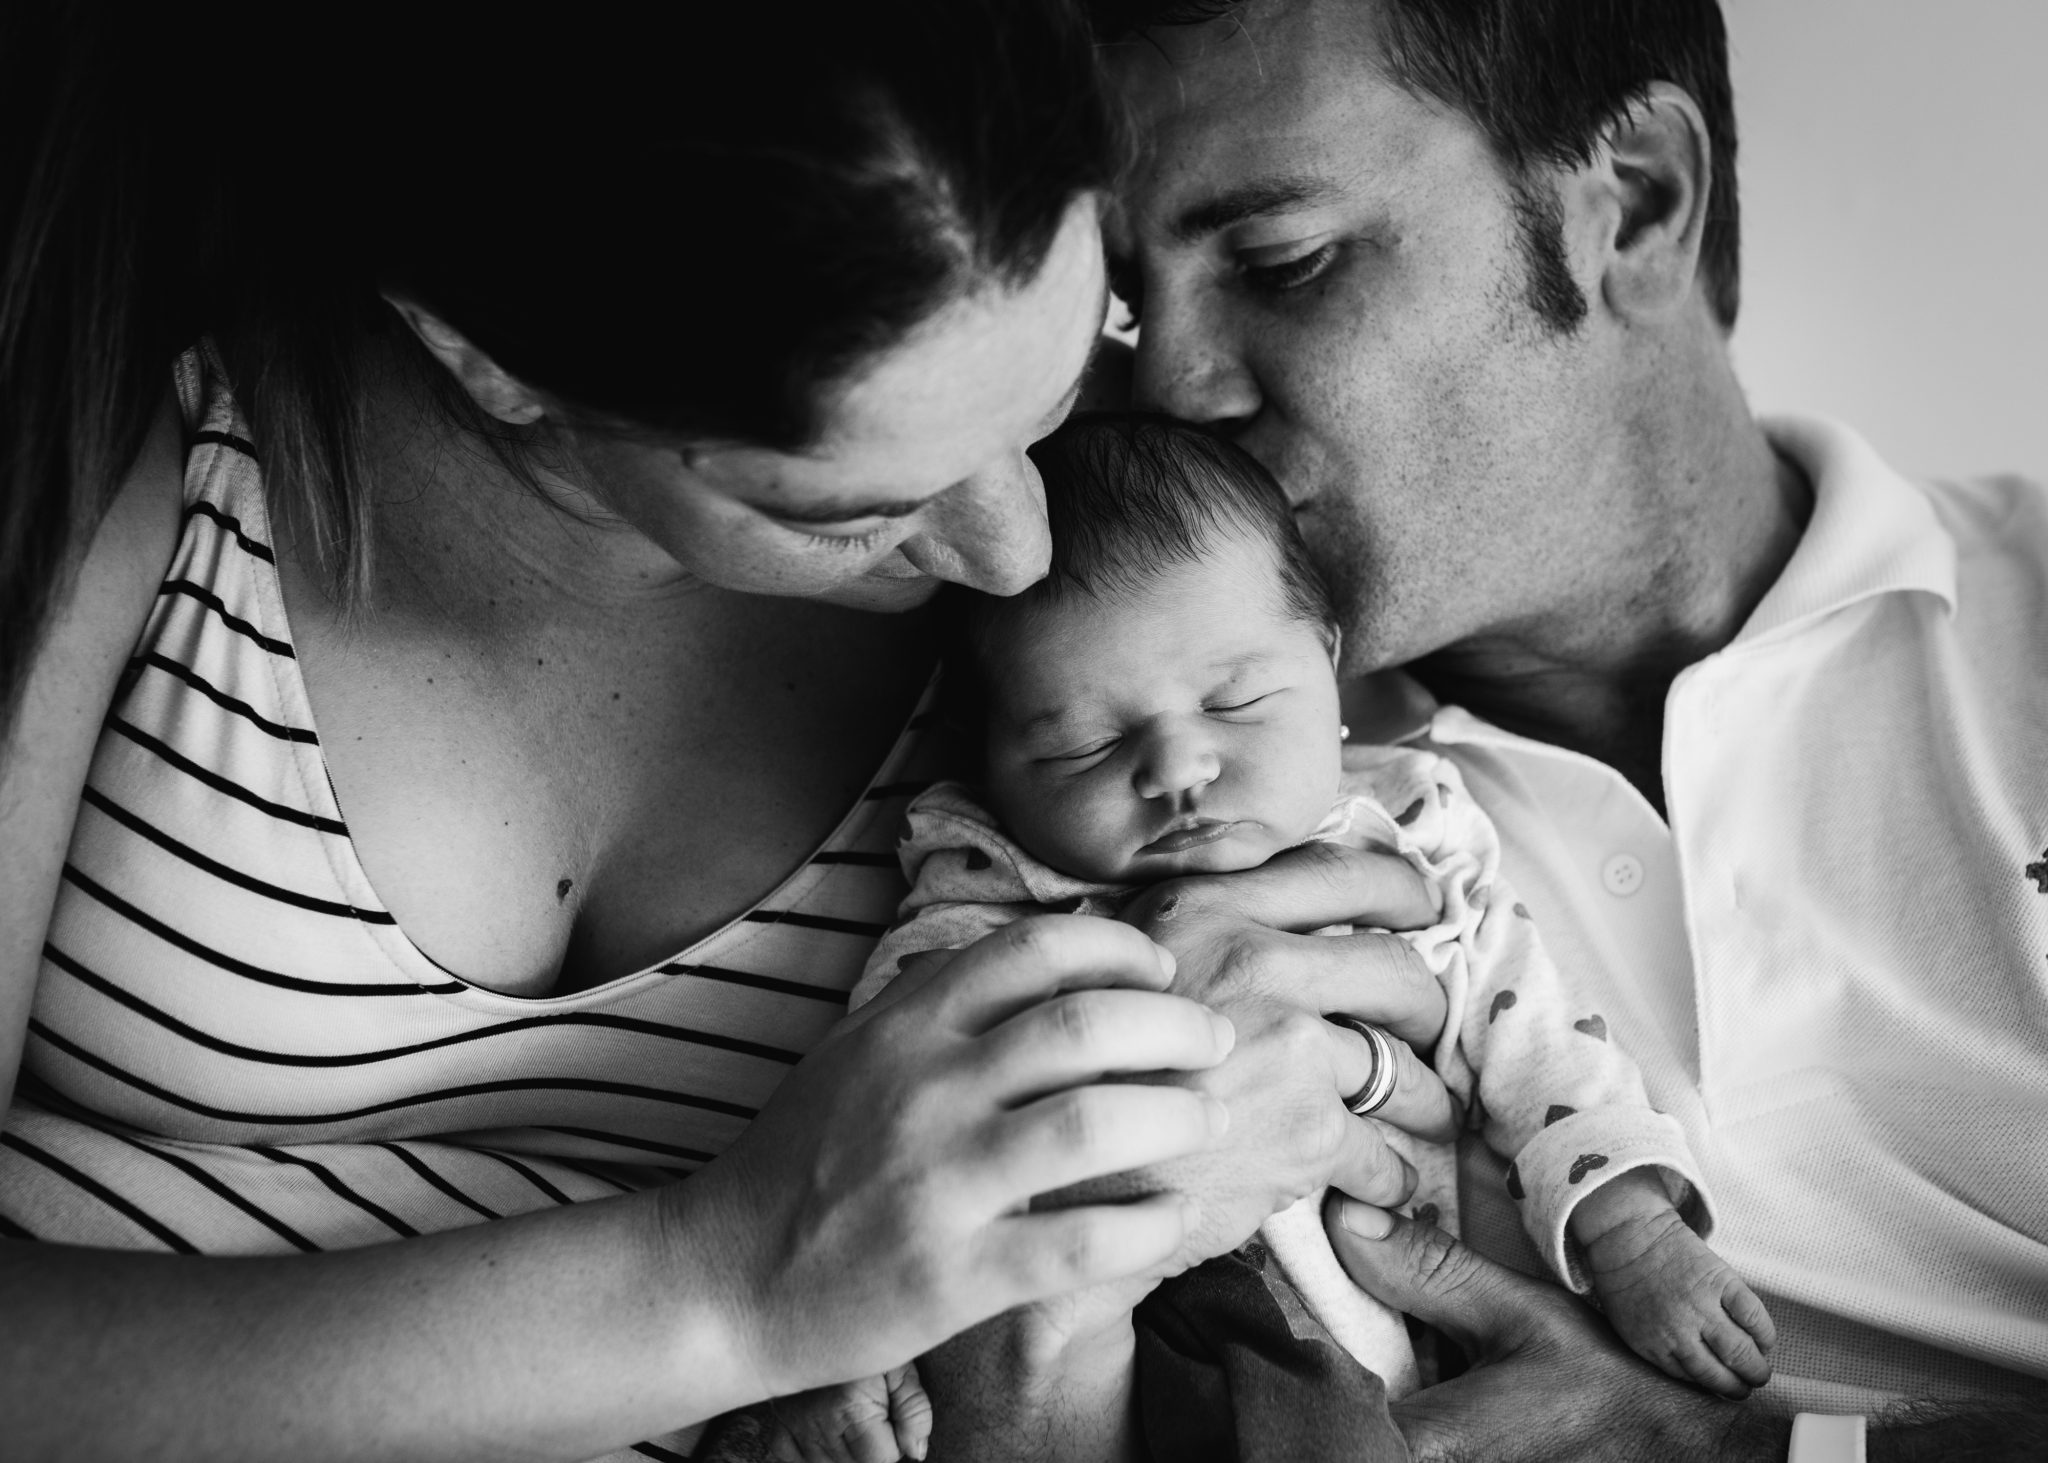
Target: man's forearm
pixel 1921 1433
pixel 1013 1390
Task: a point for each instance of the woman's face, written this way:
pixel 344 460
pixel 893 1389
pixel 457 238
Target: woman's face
pixel 920 474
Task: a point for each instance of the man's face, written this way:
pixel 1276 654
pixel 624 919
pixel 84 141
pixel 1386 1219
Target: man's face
pixel 1331 267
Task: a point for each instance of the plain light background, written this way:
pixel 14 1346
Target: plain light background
pixel 1893 165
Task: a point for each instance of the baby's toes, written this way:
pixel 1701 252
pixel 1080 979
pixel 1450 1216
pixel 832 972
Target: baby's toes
pixel 1742 1306
pixel 1732 1346
pixel 1701 1363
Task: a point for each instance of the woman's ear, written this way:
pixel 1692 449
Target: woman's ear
pixel 1336 647
pixel 1650 187
pixel 496 393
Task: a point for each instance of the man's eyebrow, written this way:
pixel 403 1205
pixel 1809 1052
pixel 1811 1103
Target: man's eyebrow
pixel 1270 195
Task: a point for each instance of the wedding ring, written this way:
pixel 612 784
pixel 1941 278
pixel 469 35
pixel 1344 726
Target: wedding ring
pixel 1379 1082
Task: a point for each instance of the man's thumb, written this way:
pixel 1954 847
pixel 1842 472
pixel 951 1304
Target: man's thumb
pixel 1419 1269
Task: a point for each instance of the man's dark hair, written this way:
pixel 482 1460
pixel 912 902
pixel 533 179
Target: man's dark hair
pixel 1544 79
pixel 1128 494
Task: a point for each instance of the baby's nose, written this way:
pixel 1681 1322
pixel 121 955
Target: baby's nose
pixel 1176 765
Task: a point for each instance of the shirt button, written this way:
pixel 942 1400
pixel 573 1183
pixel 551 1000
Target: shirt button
pixel 1622 875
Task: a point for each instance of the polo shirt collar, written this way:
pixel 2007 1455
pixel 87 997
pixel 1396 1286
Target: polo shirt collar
pixel 1871 533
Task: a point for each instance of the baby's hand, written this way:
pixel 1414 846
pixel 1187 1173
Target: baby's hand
pixel 1672 1299
pixel 877 1420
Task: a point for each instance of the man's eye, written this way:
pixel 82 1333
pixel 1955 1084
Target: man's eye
pixel 1289 274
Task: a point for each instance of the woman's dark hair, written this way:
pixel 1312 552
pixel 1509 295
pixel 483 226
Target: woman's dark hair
pixel 1544 79
pixel 1127 495
pixel 681 221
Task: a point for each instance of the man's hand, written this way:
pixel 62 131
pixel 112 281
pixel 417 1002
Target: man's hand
pixel 1241 948
pixel 1548 1379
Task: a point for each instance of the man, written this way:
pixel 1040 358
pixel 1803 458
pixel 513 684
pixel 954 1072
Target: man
pixel 1763 725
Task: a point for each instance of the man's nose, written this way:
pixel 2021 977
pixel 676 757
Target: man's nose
pixel 1174 762
pixel 988 531
pixel 1189 364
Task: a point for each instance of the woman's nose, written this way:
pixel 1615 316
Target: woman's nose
pixel 1174 763
pixel 987 532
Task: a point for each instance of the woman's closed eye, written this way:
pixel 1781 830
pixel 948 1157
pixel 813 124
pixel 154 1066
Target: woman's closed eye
pixel 849 543
pixel 1241 703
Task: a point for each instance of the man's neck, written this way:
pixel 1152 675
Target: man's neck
pixel 1595 680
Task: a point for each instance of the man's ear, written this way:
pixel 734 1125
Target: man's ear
pixel 1650 187
pixel 498 394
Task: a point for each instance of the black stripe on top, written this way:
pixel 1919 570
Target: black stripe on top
pixel 166 752
pixel 826 922
pixel 622 1140
pixel 658 1453
pixel 229 963
pixel 207 1039
pixel 856 857
pixel 213 1185
pixel 221 871
pixel 418 1165
pixel 772 983
pixel 235 623
pixel 397 1104
pixel 554 1195
pixel 220 698
pixel 340 1190
pixel 164 1234
pixel 227 439
pixel 228 521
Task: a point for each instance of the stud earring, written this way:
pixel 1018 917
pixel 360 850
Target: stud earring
pixel 1343 732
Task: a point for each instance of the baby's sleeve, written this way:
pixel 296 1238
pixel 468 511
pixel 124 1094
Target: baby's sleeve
pixel 1545 1084
pixel 966 879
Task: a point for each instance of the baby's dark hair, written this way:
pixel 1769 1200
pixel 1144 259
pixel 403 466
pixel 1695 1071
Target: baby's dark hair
pixel 1128 494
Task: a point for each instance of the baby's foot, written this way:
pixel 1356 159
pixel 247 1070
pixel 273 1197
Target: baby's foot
pixel 876 1420
pixel 1676 1303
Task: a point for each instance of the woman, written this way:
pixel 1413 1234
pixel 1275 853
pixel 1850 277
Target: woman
pixel 432 728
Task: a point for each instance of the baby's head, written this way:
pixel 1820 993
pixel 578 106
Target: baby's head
pixel 1165 700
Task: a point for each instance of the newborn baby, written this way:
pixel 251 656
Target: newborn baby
pixel 1164 703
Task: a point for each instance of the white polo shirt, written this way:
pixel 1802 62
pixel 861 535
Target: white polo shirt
pixel 1831 961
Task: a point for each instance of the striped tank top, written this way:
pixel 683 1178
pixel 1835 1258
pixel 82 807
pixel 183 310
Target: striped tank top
pixel 234 1048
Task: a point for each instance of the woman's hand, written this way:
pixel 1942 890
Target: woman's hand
pixel 1241 949
pixel 878 1205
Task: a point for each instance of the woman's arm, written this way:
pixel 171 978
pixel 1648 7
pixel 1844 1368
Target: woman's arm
pixel 49 739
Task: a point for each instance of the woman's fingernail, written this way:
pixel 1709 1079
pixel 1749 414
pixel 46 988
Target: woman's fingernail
pixel 1219 1115
pixel 1225 1033
pixel 1166 961
pixel 1364 1220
